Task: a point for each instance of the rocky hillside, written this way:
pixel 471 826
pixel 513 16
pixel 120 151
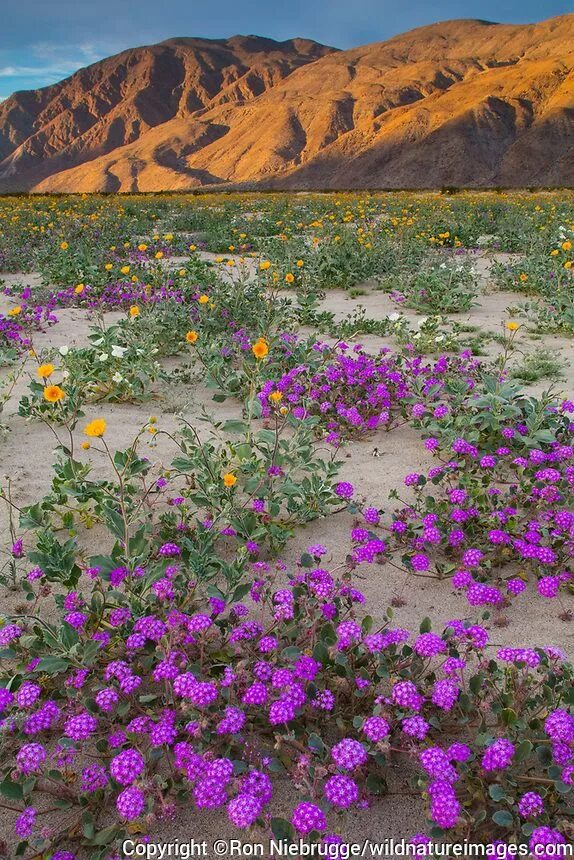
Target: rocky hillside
pixel 458 103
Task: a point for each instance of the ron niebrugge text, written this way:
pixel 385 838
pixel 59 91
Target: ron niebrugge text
pixel 341 851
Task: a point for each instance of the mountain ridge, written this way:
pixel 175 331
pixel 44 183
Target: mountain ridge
pixel 461 102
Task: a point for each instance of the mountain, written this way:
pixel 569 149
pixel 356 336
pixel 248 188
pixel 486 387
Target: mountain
pixel 465 102
pixel 113 103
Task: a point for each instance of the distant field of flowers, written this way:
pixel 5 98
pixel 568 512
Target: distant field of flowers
pixel 161 650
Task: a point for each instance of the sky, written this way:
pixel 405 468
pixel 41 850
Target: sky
pixel 43 41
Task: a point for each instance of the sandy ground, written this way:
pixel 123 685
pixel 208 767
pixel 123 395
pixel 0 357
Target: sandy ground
pixel 27 454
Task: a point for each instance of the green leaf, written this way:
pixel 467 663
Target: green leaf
pixel 10 789
pixel 315 742
pixel 523 750
pixel 282 830
pixel 496 792
pixel 234 425
pixel 503 818
pixel 105 836
pixel 52 665
pixel 426 625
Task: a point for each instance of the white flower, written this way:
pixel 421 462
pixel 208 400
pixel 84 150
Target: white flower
pixel 117 377
pixel 103 357
pixel 421 322
pixel 65 374
pixel 439 338
pixel 394 317
pixel 119 351
pixel 64 350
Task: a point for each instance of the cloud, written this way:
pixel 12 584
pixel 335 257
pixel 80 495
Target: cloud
pixel 82 54
pixel 59 61
pixel 35 71
pixel 62 60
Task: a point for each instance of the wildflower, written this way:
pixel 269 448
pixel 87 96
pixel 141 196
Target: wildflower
pixel 134 311
pixel 244 809
pixel 512 326
pixel 348 754
pixel 13 312
pixel 344 490
pixel 80 727
pixel 96 428
pixel 203 299
pixel 130 803
pixel 264 265
pixel 307 817
pixel 498 755
pixel 260 349
pixel 64 246
pixel 53 393
pixel 530 805
pixel 25 822
pixel 94 777
pixel 415 727
pixel 289 277
pixel 341 791
pixel 45 370
pixel 376 728
pixel 229 479
pixel 127 766
pixel 191 336
pixel 30 758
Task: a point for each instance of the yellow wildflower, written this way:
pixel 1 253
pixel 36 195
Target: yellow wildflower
pixel 53 393
pixel 45 370
pixel 96 428
pixel 260 348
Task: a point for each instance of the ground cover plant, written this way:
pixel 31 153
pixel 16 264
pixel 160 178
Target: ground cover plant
pixel 172 642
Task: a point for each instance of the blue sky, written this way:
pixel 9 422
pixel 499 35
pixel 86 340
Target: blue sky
pixel 43 41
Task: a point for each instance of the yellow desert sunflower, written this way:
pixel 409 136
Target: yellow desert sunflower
pixel 96 428
pixel 53 393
